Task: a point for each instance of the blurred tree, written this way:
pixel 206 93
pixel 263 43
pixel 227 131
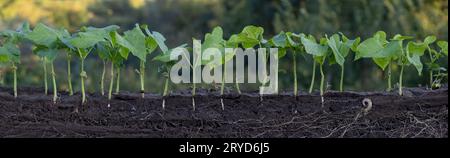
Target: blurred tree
pixel 363 17
pixel 67 13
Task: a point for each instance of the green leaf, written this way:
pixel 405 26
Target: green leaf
pixel 101 49
pixel 430 39
pixel 83 53
pixel 16 36
pixel 86 40
pixel 381 36
pixel 280 40
pixel 254 32
pixel 369 48
pixel 414 52
pixel 165 57
pixel 154 39
pixel 391 50
pixel 159 39
pixel 247 42
pixel 103 32
pixel 399 37
pixel 313 48
pixel 282 52
pixel 380 50
pixel 352 44
pixel 233 42
pixel 290 38
pixel 444 47
pixel 9 52
pixel 43 35
pixel 124 52
pixel 122 42
pixel 382 62
pixel 214 40
pixel 339 49
pixel 135 41
pixel 49 54
pixel 250 36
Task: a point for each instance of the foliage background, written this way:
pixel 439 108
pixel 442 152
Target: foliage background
pixel 181 20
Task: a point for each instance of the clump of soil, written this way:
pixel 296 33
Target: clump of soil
pixel 420 113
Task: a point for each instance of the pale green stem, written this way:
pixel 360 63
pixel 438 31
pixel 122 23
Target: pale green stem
pixel 264 80
pixel 222 87
pixel 341 86
pixel 82 77
pixel 400 91
pixel 55 89
pixel 118 81
pixel 166 87
pixel 44 63
pixel 322 80
pixel 295 75
pixel 389 77
pixel 102 81
pixel 69 76
pixel 14 68
pixel 193 90
pixel 313 78
pixel 142 74
pixel 111 82
pixel 431 71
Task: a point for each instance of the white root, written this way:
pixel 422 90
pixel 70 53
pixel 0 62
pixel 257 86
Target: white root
pixel 221 102
pixel 164 104
pixel 193 103
pixel 322 101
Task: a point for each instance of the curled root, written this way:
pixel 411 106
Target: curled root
pixel 367 105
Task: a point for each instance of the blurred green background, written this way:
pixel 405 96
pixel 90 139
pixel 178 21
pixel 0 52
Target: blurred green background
pixel 182 20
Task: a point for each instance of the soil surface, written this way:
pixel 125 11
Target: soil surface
pixel 419 113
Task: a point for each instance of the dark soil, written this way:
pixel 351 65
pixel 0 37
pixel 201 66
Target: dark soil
pixel 420 113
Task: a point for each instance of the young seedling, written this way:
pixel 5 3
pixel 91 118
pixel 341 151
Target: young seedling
pixel 283 41
pixel 9 51
pixel 107 50
pixel 250 37
pixel 319 51
pixel 140 46
pixel 340 49
pixel 164 57
pixel 84 43
pixel 383 52
pixel 102 52
pixel 444 47
pixel 215 40
pixel 295 46
pixel 414 51
pixel 48 42
pixel 432 64
pixel 69 71
pixel 212 40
